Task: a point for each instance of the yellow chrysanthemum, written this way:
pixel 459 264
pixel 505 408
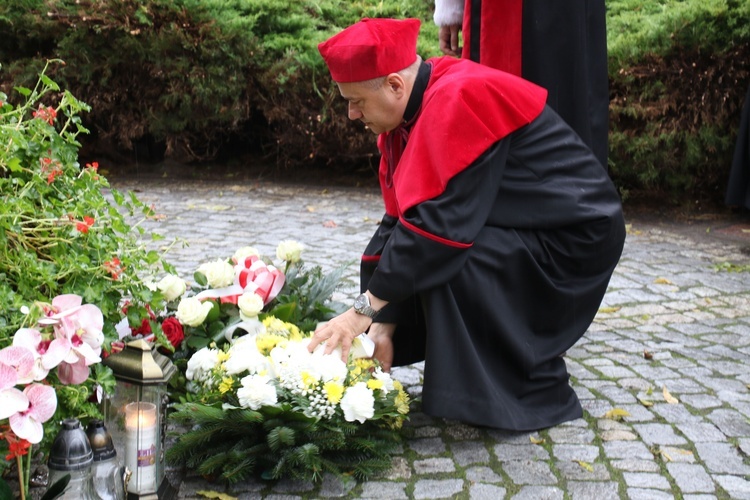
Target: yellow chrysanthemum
pixel 226 384
pixel 334 391
pixel 364 364
pixel 398 385
pixel 222 356
pixel 266 343
pixel 274 326
pixel 375 384
pixel 308 380
pixel 402 402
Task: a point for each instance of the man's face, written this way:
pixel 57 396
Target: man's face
pixel 381 109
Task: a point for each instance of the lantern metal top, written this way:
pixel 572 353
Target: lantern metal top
pixel 139 363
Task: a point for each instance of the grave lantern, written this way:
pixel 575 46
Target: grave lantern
pixel 135 416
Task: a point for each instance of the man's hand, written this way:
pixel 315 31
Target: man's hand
pixel 449 40
pixel 382 335
pixel 342 329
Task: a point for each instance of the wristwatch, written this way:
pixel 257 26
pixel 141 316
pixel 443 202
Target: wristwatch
pixel 362 306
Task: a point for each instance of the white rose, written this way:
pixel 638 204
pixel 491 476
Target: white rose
pixel 192 312
pixel 256 391
pixel 201 363
pixel 171 286
pixel 245 252
pixel 358 403
pixel 218 273
pixel 289 250
pixel 250 305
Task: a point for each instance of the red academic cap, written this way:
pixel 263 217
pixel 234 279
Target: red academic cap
pixel 371 48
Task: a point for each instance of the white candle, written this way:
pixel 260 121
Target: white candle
pixel 140 447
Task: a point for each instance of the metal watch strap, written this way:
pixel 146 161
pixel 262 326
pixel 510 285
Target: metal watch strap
pixel 362 306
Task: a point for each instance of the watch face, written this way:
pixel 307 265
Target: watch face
pixel 360 302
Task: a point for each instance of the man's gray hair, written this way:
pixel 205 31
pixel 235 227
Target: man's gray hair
pixel 407 73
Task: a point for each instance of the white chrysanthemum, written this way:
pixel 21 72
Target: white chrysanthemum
pixel 201 363
pixel 192 312
pixel 358 403
pixel 328 367
pixel 243 253
pixel 256 391
pixel 171 286
pixel 244 356
pixel 289 251
pixel 250 305
pixel 218 273
pixel 385 378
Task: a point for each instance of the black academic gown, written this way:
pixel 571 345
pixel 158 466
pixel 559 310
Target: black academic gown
pixel 494 278
pixel 738 187
pixel 559 45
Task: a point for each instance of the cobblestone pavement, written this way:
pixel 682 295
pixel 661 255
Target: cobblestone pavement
pixel 668 352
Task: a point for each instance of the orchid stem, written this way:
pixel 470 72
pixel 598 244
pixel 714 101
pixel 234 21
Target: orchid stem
pixel 28 468
pixel 21 476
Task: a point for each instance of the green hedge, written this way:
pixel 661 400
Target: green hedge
pixel 205 80
pixel 679 71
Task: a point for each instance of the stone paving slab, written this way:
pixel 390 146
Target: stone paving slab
pixel 670 346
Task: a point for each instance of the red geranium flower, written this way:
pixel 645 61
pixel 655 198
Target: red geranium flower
pixel 114 267
pixel 48 114
pixel 85 225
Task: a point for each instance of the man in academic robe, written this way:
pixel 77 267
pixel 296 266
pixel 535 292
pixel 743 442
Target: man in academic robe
pixel 559 45
pixel 501 231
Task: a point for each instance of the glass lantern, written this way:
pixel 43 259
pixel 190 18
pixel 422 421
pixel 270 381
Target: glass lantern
pixel 135 416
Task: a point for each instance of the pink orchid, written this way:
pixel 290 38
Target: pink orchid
pixel 21 360
pixel 27 424
pixel 11 399
pixel 47 353
pixel 78 328
pixel 86 321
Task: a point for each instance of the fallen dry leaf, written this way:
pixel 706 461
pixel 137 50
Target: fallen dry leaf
pixel 648 355
pixel 609 309
pixel 662 281
pixel 329 223
pixel 585 465
pixel 668 397
pixel 616 414
pixel 535 440
pixel 645 402
pixel 215 494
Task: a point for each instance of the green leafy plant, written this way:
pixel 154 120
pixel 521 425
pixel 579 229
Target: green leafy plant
pixel 63 228
pixel 65 232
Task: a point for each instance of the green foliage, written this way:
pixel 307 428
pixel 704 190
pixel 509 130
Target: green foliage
pixel 191 74
pixel 289 445
pixel 59 231
pixel 64 230
pixel 305 299
pixel 208 79
pixel 636 28
pixel 679 71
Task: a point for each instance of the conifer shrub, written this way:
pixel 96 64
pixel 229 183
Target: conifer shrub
pixel 209 80
pixel 679 71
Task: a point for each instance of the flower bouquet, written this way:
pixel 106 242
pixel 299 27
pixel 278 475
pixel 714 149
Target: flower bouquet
pixel 231 296
pixel 263 405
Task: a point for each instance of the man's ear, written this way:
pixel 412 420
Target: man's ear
pixel 396 84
